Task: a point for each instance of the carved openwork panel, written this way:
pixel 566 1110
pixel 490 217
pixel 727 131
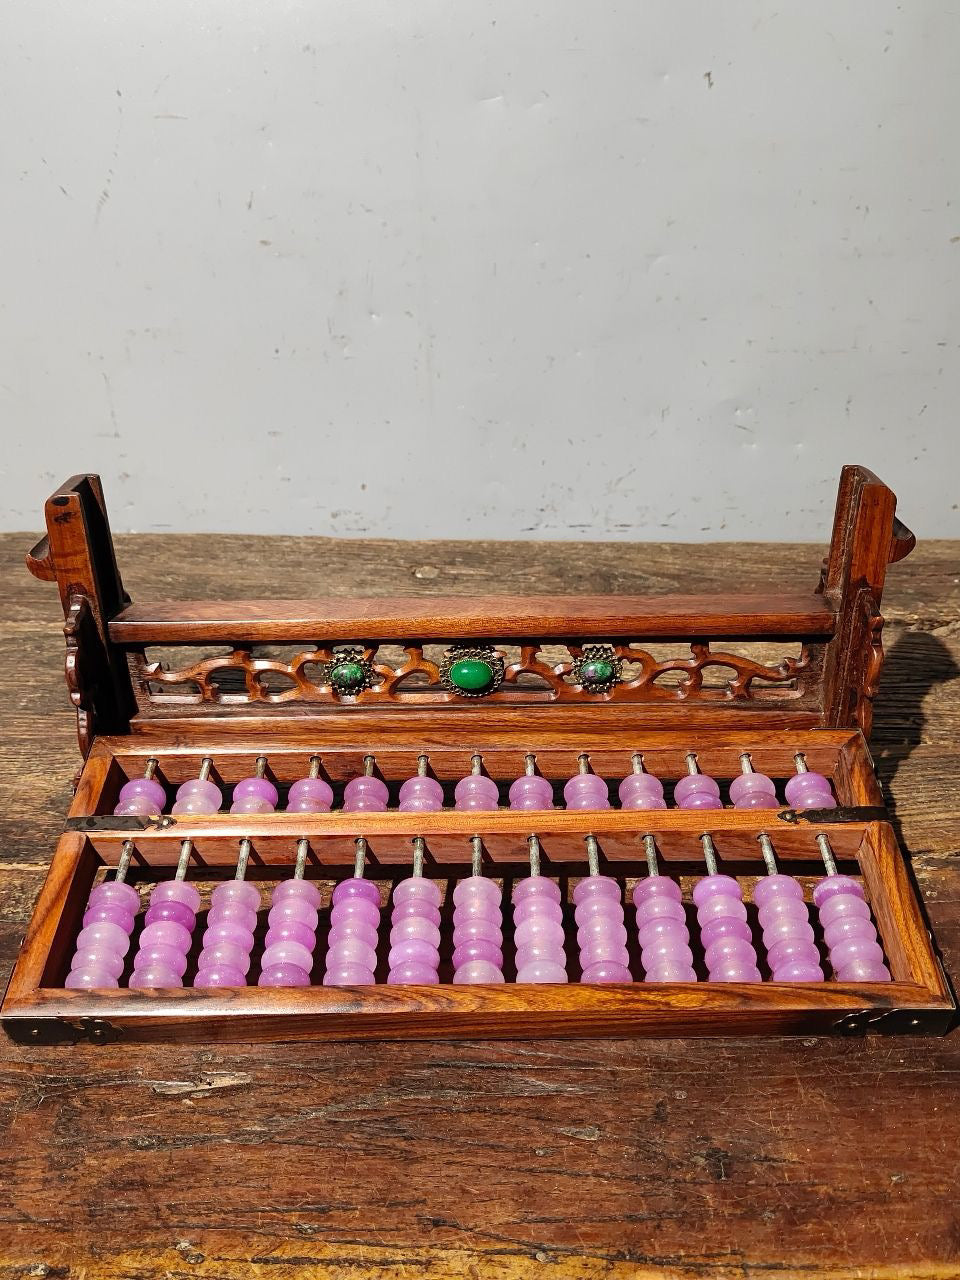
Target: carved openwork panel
pixel 538 671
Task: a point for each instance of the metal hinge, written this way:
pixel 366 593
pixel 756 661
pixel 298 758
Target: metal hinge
pixel 842 813
pixel 887 1021
pixel 49 1031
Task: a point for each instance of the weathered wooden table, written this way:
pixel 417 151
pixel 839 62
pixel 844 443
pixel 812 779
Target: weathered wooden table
pixel 617 1158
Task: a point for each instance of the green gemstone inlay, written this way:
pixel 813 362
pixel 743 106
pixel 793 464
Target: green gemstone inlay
pixel 348 675
pixel 471 674
pixel 596 671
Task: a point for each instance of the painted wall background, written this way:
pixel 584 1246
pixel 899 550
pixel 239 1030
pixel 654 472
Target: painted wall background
pixel 460 268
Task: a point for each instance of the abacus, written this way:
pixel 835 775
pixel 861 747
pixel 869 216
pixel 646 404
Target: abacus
pixel 492 818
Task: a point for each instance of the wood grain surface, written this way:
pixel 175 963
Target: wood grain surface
pixel 805 1157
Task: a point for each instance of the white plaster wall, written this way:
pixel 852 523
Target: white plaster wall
pixel 468 268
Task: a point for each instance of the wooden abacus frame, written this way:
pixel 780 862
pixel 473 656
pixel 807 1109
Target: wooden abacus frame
pixel 237 705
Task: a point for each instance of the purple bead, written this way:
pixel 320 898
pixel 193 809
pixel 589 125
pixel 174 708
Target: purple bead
pixel 148 787
pixel 109 914
pixel 727 950
pixel 692 784
pixel 198 795
pixel 702 800
pixel 421 795
pixel 289 953
pixel 724 927
pixel 833 885
pixel 174 911
pixel 135 806
pixel 121 895
pixel 660 909
pixel 863 971
pixel 251 804
pixel 773 888
pixel 177 891
pixel 104 934
pixel 672 950
pixel 168 934
pixel 417 887
pixel 792 951
pixel 478 951
pixel 641 791
pixel 797 971
pixel 101 958
pixel 365 795
pixel 476 931
pixel 711 886
pixel 736 973
pixel 596 887
pixel 867 950
pixel 476 792
pixel 353 929
pixel 352 951
pixel 416 907
pixel 348 975
pixel 220 976
pixel 531 792
pixel 606 971
pixel 541 931
pixel 415 927
pixel 542 971
pixel 149 957
pixel 89 980
pixel 415 949
pixel 586 791
pixel 263 788
pixel 758 800
pixel 293 910
pixel 849 927
pixel 225 954
pixel 228 931
pixel 237 892
pixel 477 973
pixel 843 906
pixel 536 908
pixel 472 888
pixel 413 974
pixel 284 975
pixel 750 784
pixel 602 927
pixel 310 795
pixel 359 910
pixel 232 913
pixel 670 973
pixel 302 890
pixel 656 887
pixel 156 976
pixel 721 907
pixel 356 888
pixel 536 887
pixel 291 931
pixel 604 949
pixel 804 784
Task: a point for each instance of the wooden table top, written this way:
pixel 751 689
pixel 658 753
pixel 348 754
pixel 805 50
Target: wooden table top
pixel 808 1157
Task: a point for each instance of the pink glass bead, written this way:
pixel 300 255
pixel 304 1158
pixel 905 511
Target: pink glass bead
pixel 476 931
pixel 310 795
pixel 774 888
pixel 292 910
pixel 149 957
pixel 302 890
pixel 792 951
pixel 694 784
pixel 729 957
pixel 713 887
pixel 736 973
pixel 353 929
pixel 531 792
pixel 220 976
pixel 111 915
pixel 179 891
pixel 415 927
pixel 586 791
pixel 148 787
pixel 413 973
pixel 228 931
pixel 90 979
pixel 413 949
pixel 750 784
pixel 365 794
pixel 536 887
pixel 641 791
pixel 809 783
pixel 606 971
pixel 284 975
pixel 237 892
pixel 701 800
pixel 656 887
pixel 288 953
pixel 421 795
pixel 594 888
pixel 262 788
pixel 358 887
pixel 843 906
pixel 291 931
pixel 121 895
pixel 478 951
pixel 863 971
pixel 540 930
pixel 168 933
pixel 198 795
pixel 418 887
pixel 101 957
pixel 135 806
pixel 226 954
pixel 476 792
pixel 476 972
pixel 866 950
pixel 347 975
pixel 833 885
pixel 758 800
pixel 848 927
pixel 356 910
pixel 418 907
pixel 542 971
pixel 251 804
pixel 154 976
pixel 724 927
pixel 174 911
pixel 473 887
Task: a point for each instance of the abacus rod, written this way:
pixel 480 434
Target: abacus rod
pixel 314 767
pixel 746 764
pixel 800 760
pixel 243 858
pixel 829 862
pixel 476 763
pixel 650 849
pixel 206 764
pixel 476 845
pixel 636 762
pixel 583 762
pixel 593 854
pixel 359 857
pixel 150 768
pixel 692 766
pixel 423 762
pixel 533 843
pixel 300 866
pixel 261 766
pixel 369 763
pixel 529 764
pixel 419 849
pixel 709 853
pixel 183 862
pixel 123 863
pixel 769 855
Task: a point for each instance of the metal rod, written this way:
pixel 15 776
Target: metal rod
pixel 186 849
pixel 423 762
pixel 300 866
pixel 150 768
pixel 746 764
pixel 823 844
pixel 709 853
pixel 583 762
pixel 769 854
pixel 800 760
pixel 369 764
pixel 123 866
pixel 419 849
pixel 261 766
pixel 650 849
pixel 533 843
pixel 692 766
pixel 593 854
pixel 476 763
pixel 359 857
pixel 529 764
pixel 636 762
pixel 476 845
pixel 206 764
pixel 244 858
pixel 314 767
